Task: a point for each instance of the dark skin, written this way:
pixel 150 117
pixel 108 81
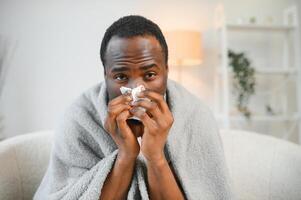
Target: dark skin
pixel 131 62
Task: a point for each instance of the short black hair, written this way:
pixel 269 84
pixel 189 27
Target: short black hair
pixel 131 26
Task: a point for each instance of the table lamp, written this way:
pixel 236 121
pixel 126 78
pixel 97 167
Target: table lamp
pixel 185 49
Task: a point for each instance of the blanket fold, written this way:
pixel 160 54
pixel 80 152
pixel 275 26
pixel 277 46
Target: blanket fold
pixel 83 153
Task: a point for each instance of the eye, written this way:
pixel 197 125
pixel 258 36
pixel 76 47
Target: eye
pixel 150 75
pixel 120 77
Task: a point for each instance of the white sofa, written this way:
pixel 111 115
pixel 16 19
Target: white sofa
pixel 261 167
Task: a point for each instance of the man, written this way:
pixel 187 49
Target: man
pixel 96 150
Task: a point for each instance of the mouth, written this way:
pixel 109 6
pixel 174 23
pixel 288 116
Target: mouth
pixel 136 126
pixel 134 122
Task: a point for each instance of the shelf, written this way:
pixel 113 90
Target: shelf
pixel 270 71
pixel 287 70
pixel 260 27
pixel 265 118
pixel 270 118
pixel 276 71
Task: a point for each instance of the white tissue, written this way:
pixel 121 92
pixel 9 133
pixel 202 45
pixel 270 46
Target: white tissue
pixel 134 92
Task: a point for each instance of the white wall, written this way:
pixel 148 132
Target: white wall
pixel 57 56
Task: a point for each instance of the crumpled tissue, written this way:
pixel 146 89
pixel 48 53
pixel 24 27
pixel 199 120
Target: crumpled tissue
pixel 134 92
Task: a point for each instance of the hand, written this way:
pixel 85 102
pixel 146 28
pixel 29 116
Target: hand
pixel 117 127
pixel 157 120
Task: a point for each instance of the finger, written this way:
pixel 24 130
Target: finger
pixel 122 125
pixel 143 116
pixel 154 96
pixel 113 111
pixel 150 106
pixel 122 99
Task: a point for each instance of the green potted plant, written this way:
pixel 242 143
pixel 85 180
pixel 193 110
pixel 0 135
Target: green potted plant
pixel 243 80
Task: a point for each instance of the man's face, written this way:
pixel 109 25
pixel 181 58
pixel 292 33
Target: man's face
pixel 131 62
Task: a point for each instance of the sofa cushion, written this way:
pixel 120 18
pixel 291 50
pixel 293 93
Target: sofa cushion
pixel 261 166
pixel 24 160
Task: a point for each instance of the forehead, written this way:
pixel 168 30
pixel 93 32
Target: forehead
pixel 134 46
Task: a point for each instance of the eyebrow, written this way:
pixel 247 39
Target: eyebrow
pixel 146 67
pixel 123 68
pixel 119 69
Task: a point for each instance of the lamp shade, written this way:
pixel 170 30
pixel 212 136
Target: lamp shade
pixel 185 47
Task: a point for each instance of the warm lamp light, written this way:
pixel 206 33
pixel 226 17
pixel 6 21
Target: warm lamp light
pixel 185 48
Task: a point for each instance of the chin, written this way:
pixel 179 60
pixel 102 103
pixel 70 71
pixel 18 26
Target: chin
pixel 136 126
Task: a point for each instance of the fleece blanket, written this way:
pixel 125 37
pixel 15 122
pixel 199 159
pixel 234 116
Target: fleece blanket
pixel 84 153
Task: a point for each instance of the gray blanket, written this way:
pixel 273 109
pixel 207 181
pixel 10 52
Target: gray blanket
pixel 83 153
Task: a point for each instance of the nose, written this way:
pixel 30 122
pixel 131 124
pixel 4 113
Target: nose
pixel 136 83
